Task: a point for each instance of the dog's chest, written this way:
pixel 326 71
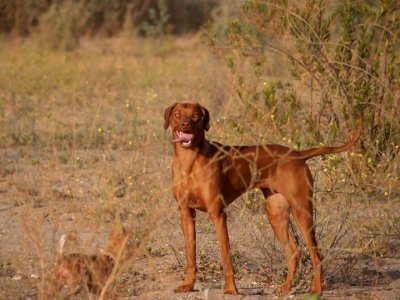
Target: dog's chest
pixel 195 186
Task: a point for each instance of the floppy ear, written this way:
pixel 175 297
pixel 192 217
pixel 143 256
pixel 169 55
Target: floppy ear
pixel 117 228
pixel 167 115
pixel 206 118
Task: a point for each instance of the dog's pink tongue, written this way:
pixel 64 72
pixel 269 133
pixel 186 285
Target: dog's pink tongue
pixel 183 137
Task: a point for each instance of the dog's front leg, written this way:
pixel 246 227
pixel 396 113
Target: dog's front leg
pixel 188 216
pixel 219 220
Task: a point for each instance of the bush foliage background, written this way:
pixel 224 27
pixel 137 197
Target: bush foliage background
pixel 105 17
pixel 344 54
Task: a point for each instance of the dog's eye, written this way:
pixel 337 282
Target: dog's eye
pixel 176 115
pixel 195 115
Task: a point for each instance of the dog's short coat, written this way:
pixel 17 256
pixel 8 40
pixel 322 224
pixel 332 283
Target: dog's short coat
pixel 208 176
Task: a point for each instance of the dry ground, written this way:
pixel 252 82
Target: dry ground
pixel 81 139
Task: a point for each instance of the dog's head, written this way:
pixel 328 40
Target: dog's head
pixel 188 122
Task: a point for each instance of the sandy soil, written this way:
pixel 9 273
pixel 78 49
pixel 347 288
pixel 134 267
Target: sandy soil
pixel 38 200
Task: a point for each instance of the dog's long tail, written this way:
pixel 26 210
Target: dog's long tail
pixel 61 244
pixel 307 154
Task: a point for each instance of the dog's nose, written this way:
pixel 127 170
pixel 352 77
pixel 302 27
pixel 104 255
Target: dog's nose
pixel 185 125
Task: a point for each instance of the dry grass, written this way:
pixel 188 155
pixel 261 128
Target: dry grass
pixel 82 137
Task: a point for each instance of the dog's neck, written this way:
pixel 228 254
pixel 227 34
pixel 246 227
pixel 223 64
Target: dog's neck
pixel 184 158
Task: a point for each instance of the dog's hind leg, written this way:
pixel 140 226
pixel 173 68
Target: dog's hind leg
pixel 301 205
pixel 304 221
pixel 277 209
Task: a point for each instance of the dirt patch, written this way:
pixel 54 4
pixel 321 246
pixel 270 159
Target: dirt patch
pixel 36 204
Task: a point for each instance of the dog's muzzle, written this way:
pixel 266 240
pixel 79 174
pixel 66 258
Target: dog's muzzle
pixel 185 138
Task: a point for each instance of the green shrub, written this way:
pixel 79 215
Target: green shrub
pixel 344 55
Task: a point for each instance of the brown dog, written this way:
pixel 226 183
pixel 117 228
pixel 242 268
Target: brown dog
pixel 91 272
pixel 209 176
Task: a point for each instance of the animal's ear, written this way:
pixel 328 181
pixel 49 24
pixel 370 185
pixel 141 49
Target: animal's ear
pixel 206 118
pixel 118 230
pixel 117 227
pixel 167 115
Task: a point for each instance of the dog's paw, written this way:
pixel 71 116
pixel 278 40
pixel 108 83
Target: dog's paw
pixel 316 291
pixel 283 289
pixel 184 288
pixel 231 291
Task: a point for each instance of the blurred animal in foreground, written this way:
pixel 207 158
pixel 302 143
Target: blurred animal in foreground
pixel 93 273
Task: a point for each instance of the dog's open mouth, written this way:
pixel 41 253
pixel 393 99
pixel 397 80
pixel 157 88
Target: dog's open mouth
pixel 185 138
